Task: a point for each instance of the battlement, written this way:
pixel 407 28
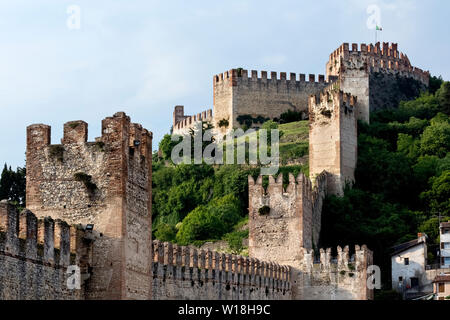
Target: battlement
pixel 328 98
pixel 284 218
pixel 173 255
pixel 254 94
pixel 378 58
pixel 234 76
pixel 76 132
pixel 106 183
pixel 324 276
pixel 38 255
pixel 342 261
pixel 333 118
pixel 185 122
pixel 296 185
pixel 185 272
pixel 43 241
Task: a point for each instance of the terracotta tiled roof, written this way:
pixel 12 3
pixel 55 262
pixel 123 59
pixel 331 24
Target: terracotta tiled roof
pixel 442 278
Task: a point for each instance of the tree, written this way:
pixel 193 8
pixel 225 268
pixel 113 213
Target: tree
pixel 166 145
pixel 443 96
pixel 12 185
pixel 435 84
pixel 438 197
pixel 435 139
pixel 165 232
pixel 209 222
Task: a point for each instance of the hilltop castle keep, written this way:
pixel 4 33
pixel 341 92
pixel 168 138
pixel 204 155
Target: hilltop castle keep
pixel 379 76
pixel 90 203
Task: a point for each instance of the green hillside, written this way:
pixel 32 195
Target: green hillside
pixel 294 142
pixel 402 185
pixel 200 203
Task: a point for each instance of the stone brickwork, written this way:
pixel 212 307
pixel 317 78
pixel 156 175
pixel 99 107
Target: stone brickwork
pixel 182 124
pixel 293 221
pixel 238 94
pixel 333 278
pixel 185 273
pixel 35 254
pixel 333 137
pixel 106 183
pixel 379 76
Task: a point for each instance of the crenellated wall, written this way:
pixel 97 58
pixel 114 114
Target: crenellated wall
pixel 35 254
pixel 238 94
pixel 106 183
pixel 185 273
pixel 183 123
pixel 293 221
pixel 327 277
pixel 380 77
pixel 333 137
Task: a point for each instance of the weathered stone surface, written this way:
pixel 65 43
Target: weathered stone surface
pixel 209 281
pixel 376 76
pixel 333 137
pixel 106 183
pixel 31 269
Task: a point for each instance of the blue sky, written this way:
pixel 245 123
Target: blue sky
pixel 144 57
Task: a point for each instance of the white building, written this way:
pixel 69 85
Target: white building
pixel 408 261
pixel 441 287
pixel 445 244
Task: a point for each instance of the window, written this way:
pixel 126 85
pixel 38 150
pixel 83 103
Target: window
pixel 400 279
pixel 446 245
pixel 447 260
pixel 414 282
pixel 441 287
pixel 406 261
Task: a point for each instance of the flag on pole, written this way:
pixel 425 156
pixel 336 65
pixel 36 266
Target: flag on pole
pixel 378 28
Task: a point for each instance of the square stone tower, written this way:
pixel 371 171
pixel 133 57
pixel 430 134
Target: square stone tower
pixel 333 137
pixel 379 75
pixel 283 220
pixel 106 183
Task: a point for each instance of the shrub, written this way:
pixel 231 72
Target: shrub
pixel 291 116
pixel 210 221
pixel 165 232
pixel 235 239
pixel 223 123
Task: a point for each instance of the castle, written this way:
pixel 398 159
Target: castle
pixel 378 75
pixel 90 203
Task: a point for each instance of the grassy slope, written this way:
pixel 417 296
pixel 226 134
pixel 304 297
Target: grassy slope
pixel 294 142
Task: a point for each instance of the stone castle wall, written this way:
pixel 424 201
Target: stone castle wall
pixel 236 94
pixel 184 273
pixel 106 183
pixel 182 124
pixel 333 137
pixel 333 278
pixel 294 219
pixel 35 254
pixel 380 77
